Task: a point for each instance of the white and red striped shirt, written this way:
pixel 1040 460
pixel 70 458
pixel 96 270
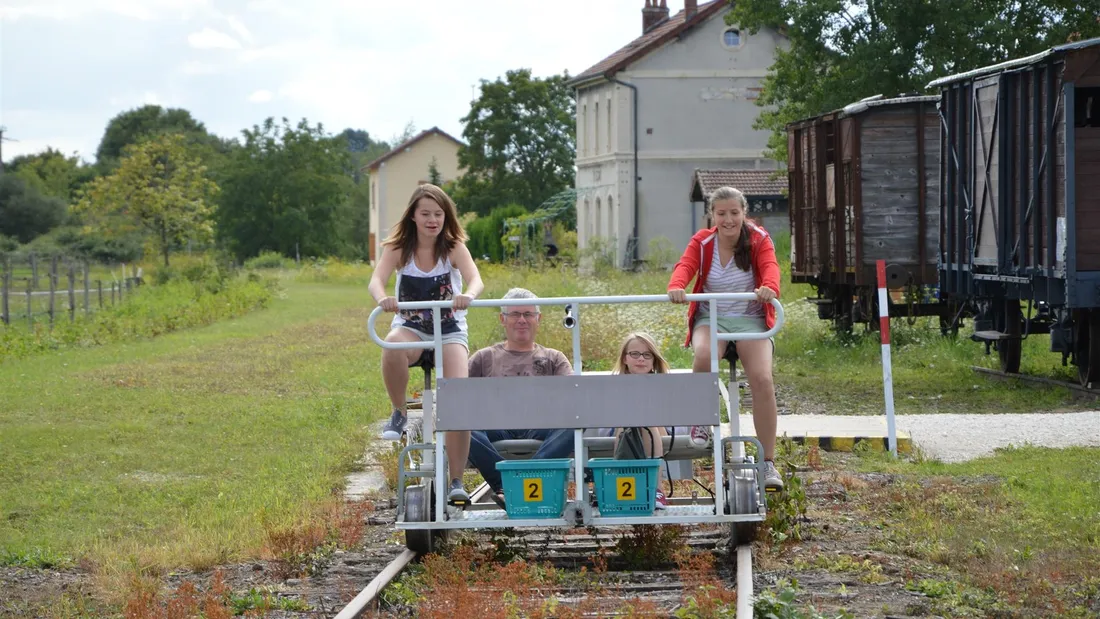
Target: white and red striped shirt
pixel 730 278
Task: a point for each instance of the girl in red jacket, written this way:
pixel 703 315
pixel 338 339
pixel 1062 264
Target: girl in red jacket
pixel 735 255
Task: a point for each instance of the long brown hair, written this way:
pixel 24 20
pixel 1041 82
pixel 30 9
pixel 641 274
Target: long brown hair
pixel 742 250
pixel 403 233
pixel 660 365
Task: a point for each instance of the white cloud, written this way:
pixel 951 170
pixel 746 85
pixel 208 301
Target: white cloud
pixel 194 67
pixel 343 63
pixel 144 10
pixel 208 38
pixel 241 30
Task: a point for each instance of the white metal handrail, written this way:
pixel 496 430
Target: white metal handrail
pixel 573 322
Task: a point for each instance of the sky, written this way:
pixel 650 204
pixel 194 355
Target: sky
pixel 68 66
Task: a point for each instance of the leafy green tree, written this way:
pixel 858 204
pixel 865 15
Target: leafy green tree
pixel 24 212
pixel 159 186
pixel 133 126
pixel 434 177
pixel 51 173
pixel 363 150
pixel 287 189
pixel 840 52
pixel 520 142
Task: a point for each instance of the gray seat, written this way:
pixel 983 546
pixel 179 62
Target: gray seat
pixel 604 447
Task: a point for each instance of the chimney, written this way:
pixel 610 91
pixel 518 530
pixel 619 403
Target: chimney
pixel 653 14
pixel 691 7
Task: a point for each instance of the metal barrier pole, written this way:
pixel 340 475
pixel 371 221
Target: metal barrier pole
pixel 442 488
pixel 887 370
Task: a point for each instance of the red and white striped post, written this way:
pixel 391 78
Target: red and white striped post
pixel 887 371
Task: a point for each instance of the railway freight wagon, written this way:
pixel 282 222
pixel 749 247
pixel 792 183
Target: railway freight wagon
pixel 864 186
pixel 1020 201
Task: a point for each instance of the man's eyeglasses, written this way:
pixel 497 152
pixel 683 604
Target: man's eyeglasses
pixel 640 355
pixel 525 315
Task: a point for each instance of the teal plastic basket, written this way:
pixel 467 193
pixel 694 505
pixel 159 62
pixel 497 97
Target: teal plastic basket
pixel 625 487
pixel 535 488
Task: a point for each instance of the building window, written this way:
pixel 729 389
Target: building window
pixel 611 226
pixel 609 149
pixel 731 38
pixel 597 224
pixel 582 138
pixel 596 136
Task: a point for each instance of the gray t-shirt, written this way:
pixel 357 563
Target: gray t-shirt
pixel 496 361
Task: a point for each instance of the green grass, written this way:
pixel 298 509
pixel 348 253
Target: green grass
pixel 191 447
pixel 1022 524
pixel 180 449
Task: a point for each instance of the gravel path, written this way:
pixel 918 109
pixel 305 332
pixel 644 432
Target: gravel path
pixel 953 438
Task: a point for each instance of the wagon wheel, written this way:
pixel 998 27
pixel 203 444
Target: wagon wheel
pixel 1086 325
pixel 842 310
pixel 950 320
pixel 1009 349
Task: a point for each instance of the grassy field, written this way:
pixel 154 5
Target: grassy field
pixel 191 448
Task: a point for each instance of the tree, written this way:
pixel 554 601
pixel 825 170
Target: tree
pixel 52 173
pixel 133 126
pixel 159 186
pixel 287 190
pixel 520 142
pixel 841 52
pixel 363 150
pixel 24 212
pixel 434 177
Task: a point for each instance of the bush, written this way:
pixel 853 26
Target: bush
pixel 485 232
pixel 149 311
pixel 269 260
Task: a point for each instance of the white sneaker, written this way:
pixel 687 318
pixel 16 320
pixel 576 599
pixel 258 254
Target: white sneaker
pixel 700 436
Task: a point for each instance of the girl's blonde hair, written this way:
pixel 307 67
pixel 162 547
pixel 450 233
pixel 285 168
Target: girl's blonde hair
pixel 403 234
pixel 660 365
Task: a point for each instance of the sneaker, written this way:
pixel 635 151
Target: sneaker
pixel 498 497
pixel 662 501
pixel 457 494
pixel 773 481
pixel 395 427
pixel 700 436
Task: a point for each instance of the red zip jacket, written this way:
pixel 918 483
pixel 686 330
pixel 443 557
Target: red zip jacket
pixel 696 263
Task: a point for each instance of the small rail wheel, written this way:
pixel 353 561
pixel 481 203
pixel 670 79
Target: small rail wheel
pixel 419 501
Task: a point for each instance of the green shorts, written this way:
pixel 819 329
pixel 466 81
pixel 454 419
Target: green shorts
pixel 734 324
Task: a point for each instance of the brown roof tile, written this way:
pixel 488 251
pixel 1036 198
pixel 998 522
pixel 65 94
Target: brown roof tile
pixel 658 36
pixel 749 182
pixel 409 142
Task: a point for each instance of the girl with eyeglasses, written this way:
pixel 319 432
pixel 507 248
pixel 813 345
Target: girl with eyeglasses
pixel 639 355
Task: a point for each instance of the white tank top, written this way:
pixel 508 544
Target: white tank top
pixel 443 282
pixel 730 278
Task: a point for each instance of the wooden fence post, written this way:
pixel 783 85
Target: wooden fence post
pixel 30 304
pixel 53 288
pixel 99 285
pixel 72 293
pixel 87 285
pixel 34 272
pixel 4 290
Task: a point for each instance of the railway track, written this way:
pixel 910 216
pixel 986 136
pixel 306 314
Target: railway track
pixel 1042 380
pixel 601 592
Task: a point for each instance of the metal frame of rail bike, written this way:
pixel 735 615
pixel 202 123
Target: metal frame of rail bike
pixel 740 502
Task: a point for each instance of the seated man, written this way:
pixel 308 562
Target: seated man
pixel 517 355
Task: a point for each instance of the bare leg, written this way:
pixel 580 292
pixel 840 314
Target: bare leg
pixel 756 358
pixel 395 367
pixel 700 344
pixel 456 365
